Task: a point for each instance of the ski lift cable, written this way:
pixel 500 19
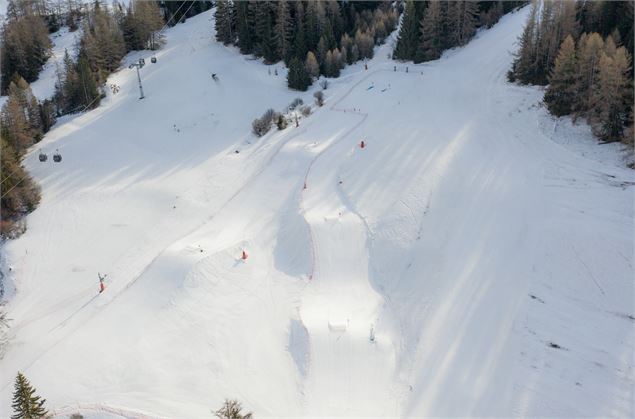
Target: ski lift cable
pixel 173 15
pixel 9 175
pixel 13 187
pixel 20 167
pixel 90 103
pixel 24 177
pixel 167 23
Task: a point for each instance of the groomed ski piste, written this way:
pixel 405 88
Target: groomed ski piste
pixel 475 258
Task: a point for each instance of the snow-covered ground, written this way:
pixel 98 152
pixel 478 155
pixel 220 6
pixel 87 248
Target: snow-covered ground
pixel 492 265
pixel 63 40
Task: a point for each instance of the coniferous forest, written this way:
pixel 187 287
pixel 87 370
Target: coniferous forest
pixel 312 37
pixel 430 27
pixel 583 51
pixel 320 38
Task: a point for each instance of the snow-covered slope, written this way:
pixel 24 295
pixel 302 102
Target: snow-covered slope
pixel 63 40
pixel 44 87
pixel 491 265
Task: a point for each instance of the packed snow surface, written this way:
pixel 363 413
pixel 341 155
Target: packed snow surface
pixel 465 262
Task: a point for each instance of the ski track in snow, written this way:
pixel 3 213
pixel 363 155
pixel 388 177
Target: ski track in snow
pixel 468 234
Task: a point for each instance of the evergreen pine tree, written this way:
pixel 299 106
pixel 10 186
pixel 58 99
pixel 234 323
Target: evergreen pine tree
pixel 561 93
pixel 523 68
pixel 546 43
pixel 312 28
pixel 299 37
pixel 79 88
pixel 128 29
pixel 102 42
pixel 266 46
pixel 557 20
pixel 334 16
pixel 283 30
pixel 320 53
pixel 26 404
pixel 329 35
pixel 468 19
pixel 297 77
pixel 223 22
pixel 47 114
pixel 431 43
pixel 408 39
pixel 86 86
pixel 452 24
pixel 245 34
pixel 140 24
pixel 320 14
pixel 67 95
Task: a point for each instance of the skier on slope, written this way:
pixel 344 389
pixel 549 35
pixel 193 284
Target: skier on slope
pixel 102 286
